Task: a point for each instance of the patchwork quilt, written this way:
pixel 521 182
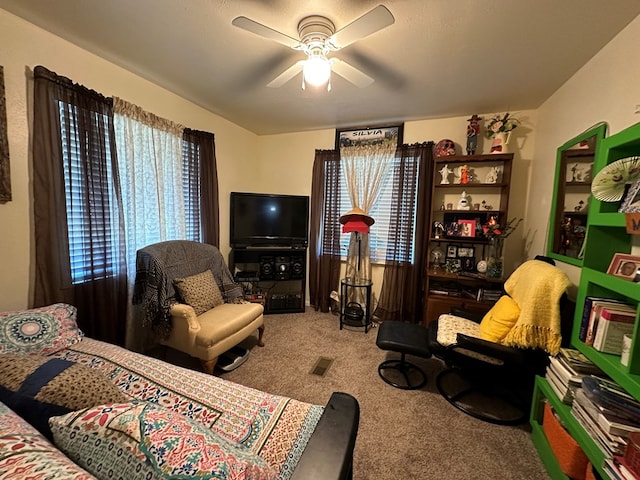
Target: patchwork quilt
pixel 274 427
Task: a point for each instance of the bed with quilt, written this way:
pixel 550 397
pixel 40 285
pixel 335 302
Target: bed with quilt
pixel 95 410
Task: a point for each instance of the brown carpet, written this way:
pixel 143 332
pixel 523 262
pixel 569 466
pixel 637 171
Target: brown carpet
pixel 403 434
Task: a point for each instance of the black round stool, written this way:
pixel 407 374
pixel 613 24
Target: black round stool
pixel 404 338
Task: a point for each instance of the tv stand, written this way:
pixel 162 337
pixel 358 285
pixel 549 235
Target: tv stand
pixel 272 247
pixel 277 274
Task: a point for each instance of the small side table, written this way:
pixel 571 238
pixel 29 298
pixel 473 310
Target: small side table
pixel 346 284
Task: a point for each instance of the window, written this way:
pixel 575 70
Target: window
pixel 91 213
pixel 403 175
pixel 91 202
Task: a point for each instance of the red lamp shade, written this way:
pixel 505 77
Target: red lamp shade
pixel 356 220
pixel 355 225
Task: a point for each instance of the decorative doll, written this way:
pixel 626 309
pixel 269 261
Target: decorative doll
pixel 473 129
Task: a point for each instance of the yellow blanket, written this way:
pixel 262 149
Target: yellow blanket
pixel 536 287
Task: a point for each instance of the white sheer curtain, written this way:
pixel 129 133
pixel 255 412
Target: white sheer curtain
pixel 365 168
pixel 150 169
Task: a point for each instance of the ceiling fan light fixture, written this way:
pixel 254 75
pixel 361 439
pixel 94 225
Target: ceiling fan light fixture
pixel 318 37
pixel 316 70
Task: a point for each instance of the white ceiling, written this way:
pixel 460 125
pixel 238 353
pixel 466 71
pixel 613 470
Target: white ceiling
pixel 440 58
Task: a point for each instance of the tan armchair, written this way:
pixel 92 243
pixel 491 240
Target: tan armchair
pixel 196 329
pixel 213 332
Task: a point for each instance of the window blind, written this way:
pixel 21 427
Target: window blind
pixel 90 213
pixel 394 213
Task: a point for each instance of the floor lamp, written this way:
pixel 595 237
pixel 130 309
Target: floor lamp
pixel 358 221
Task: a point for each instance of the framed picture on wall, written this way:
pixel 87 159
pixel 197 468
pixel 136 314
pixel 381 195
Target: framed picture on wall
pixel 5 176
pixel 369 135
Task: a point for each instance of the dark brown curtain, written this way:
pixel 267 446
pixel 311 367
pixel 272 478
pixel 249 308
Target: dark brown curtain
pixel 401 294
pixel 204 180
pixel 324 234
pixel 73 122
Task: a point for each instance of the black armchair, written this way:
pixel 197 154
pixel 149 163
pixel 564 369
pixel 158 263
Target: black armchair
pixel 493 381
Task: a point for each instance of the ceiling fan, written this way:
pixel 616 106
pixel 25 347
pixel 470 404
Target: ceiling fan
pixel 318 38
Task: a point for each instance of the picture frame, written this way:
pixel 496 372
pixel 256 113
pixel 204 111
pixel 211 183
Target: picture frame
pixel 466 252
pixel 372 135
pixel 452 251
pixel 625 266
pixel 631 202
pixel 467 228
pixel 5 175
pixel 468 263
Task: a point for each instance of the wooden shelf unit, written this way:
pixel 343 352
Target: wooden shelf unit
pixel 496 203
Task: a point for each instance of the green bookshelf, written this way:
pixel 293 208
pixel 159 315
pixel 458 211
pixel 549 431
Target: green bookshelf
pixel 606 236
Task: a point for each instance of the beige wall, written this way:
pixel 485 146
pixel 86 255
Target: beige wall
pixel 604 89
pixel 25 46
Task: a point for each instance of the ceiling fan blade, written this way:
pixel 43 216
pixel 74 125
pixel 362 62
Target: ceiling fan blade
pixel 287 75
pixel 264 31
pixel 350 73
pixel 372 21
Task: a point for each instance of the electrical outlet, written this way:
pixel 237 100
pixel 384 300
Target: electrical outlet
pixel 637 110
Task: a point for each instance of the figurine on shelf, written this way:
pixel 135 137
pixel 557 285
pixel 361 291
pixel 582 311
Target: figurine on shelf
pixel 493 175
pixel 473 129
pixel 465 174
pixel 445 172
pixel 438 229
pixel 580 206
pixel 463 202
pixel 437 255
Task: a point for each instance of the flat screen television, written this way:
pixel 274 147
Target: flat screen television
pixel 260 219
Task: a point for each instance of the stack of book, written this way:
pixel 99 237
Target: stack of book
pixel 605 321
pixel 618 469
pixel 566 370
pixel 608 414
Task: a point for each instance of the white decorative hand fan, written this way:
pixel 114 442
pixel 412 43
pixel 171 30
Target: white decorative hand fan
pixel 609 183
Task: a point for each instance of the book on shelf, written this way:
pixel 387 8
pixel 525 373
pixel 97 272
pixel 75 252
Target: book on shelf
pixel 489 295
pixel 469 292
pixel 578 363
pixel 593 313
pixel 563 390
pixel 608 446
pixel 618 469
pixel 564 372
pixel 623 467
pixel 607 419
pixel 586 413
pixel 586 312
pixel 612 327
pixel 445 288
pixel 612 396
